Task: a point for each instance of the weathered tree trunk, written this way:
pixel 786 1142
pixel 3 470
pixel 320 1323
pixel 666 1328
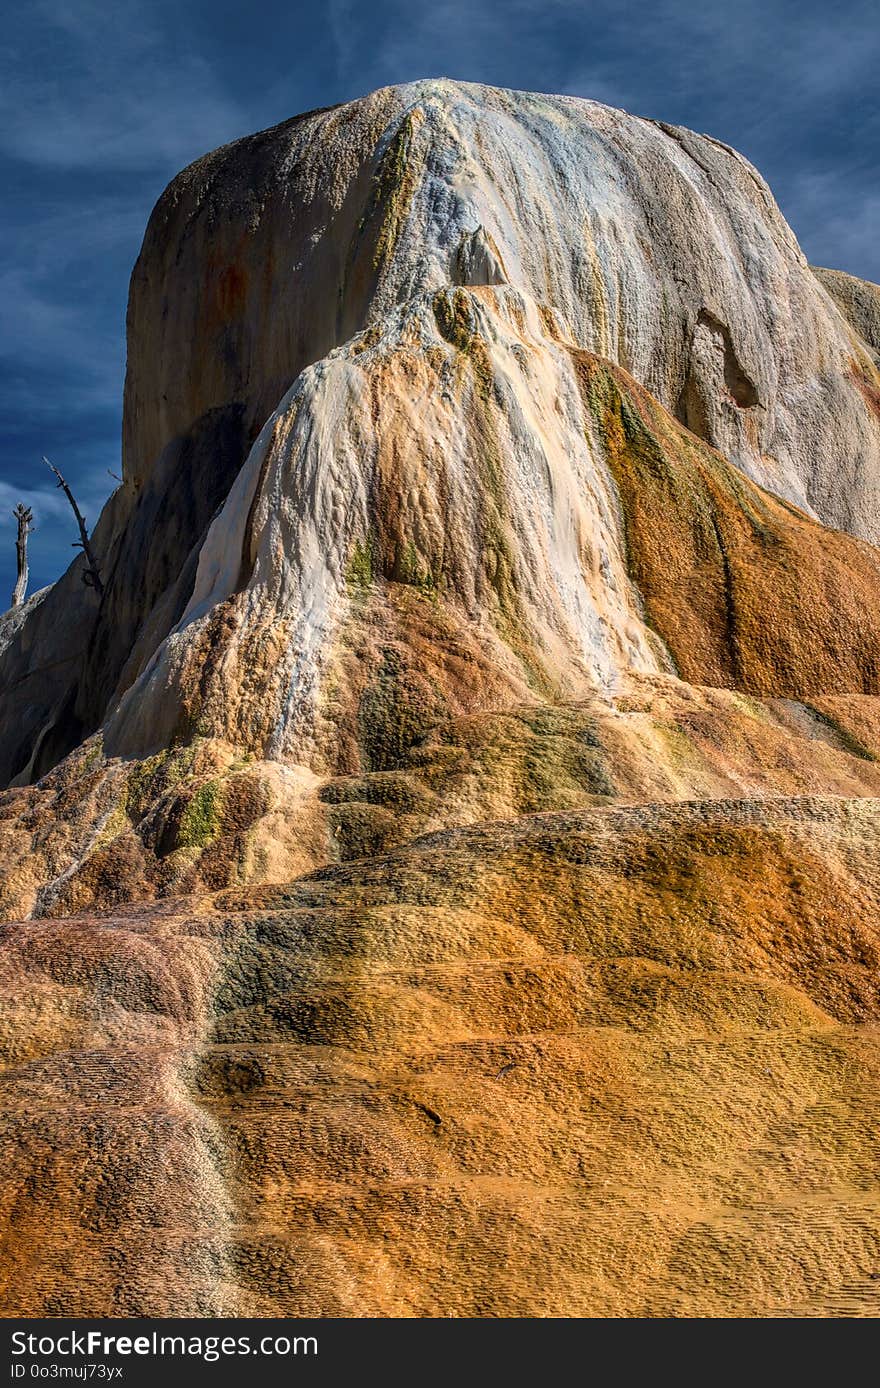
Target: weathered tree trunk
pixel 91 576
pixel 24 515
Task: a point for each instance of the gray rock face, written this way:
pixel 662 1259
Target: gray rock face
pixel 858 301
pixel 12 621
pixel 270 263
pixel 267 254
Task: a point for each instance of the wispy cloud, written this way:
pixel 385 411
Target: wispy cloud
pixel 45 505
pixel 51 333
pixel 52 545
pixel 837 225
pixel 49 503
pixel 102 88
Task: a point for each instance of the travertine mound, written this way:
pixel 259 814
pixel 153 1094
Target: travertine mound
pixel 311 291
pixel 441 876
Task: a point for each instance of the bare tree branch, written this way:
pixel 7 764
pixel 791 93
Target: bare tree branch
pixel 92 575
pixel 24 515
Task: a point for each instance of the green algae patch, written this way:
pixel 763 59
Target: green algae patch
pixel 201 819
pixel 411 571
pixel 397 709
pixel 538 759
pixel 116 822
pixel 453 314
pixel 457 323
pixel 397 790
pixel 393 187
pixel 152 778
pixel 94 754
pixel 360 570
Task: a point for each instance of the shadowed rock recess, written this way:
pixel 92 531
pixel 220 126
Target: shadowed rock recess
pixel 441 873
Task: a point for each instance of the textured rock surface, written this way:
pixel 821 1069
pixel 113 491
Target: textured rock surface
pixel 99 834
pixel 858 301
pixel 603 1063
pixel 522 546
pixel 650 246
pixel 441 877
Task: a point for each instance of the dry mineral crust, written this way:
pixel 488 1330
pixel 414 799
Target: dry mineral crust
pixel 442 872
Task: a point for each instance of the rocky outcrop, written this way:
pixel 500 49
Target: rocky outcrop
pixel 440 873
pixel 99 833
pixel 858 301
pixel 317 257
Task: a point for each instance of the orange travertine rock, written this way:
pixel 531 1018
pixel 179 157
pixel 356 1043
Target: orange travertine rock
pixel 442 875
pixel 602 1062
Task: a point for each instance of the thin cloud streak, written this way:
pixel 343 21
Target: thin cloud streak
pixel 112 96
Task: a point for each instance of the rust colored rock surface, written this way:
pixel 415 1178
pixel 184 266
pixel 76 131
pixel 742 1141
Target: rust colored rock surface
pixel 441 877
pixel 606 1062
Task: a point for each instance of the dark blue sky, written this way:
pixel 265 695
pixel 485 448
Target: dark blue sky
pixel 102 101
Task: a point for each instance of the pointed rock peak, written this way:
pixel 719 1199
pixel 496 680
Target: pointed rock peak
pixel 477 260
